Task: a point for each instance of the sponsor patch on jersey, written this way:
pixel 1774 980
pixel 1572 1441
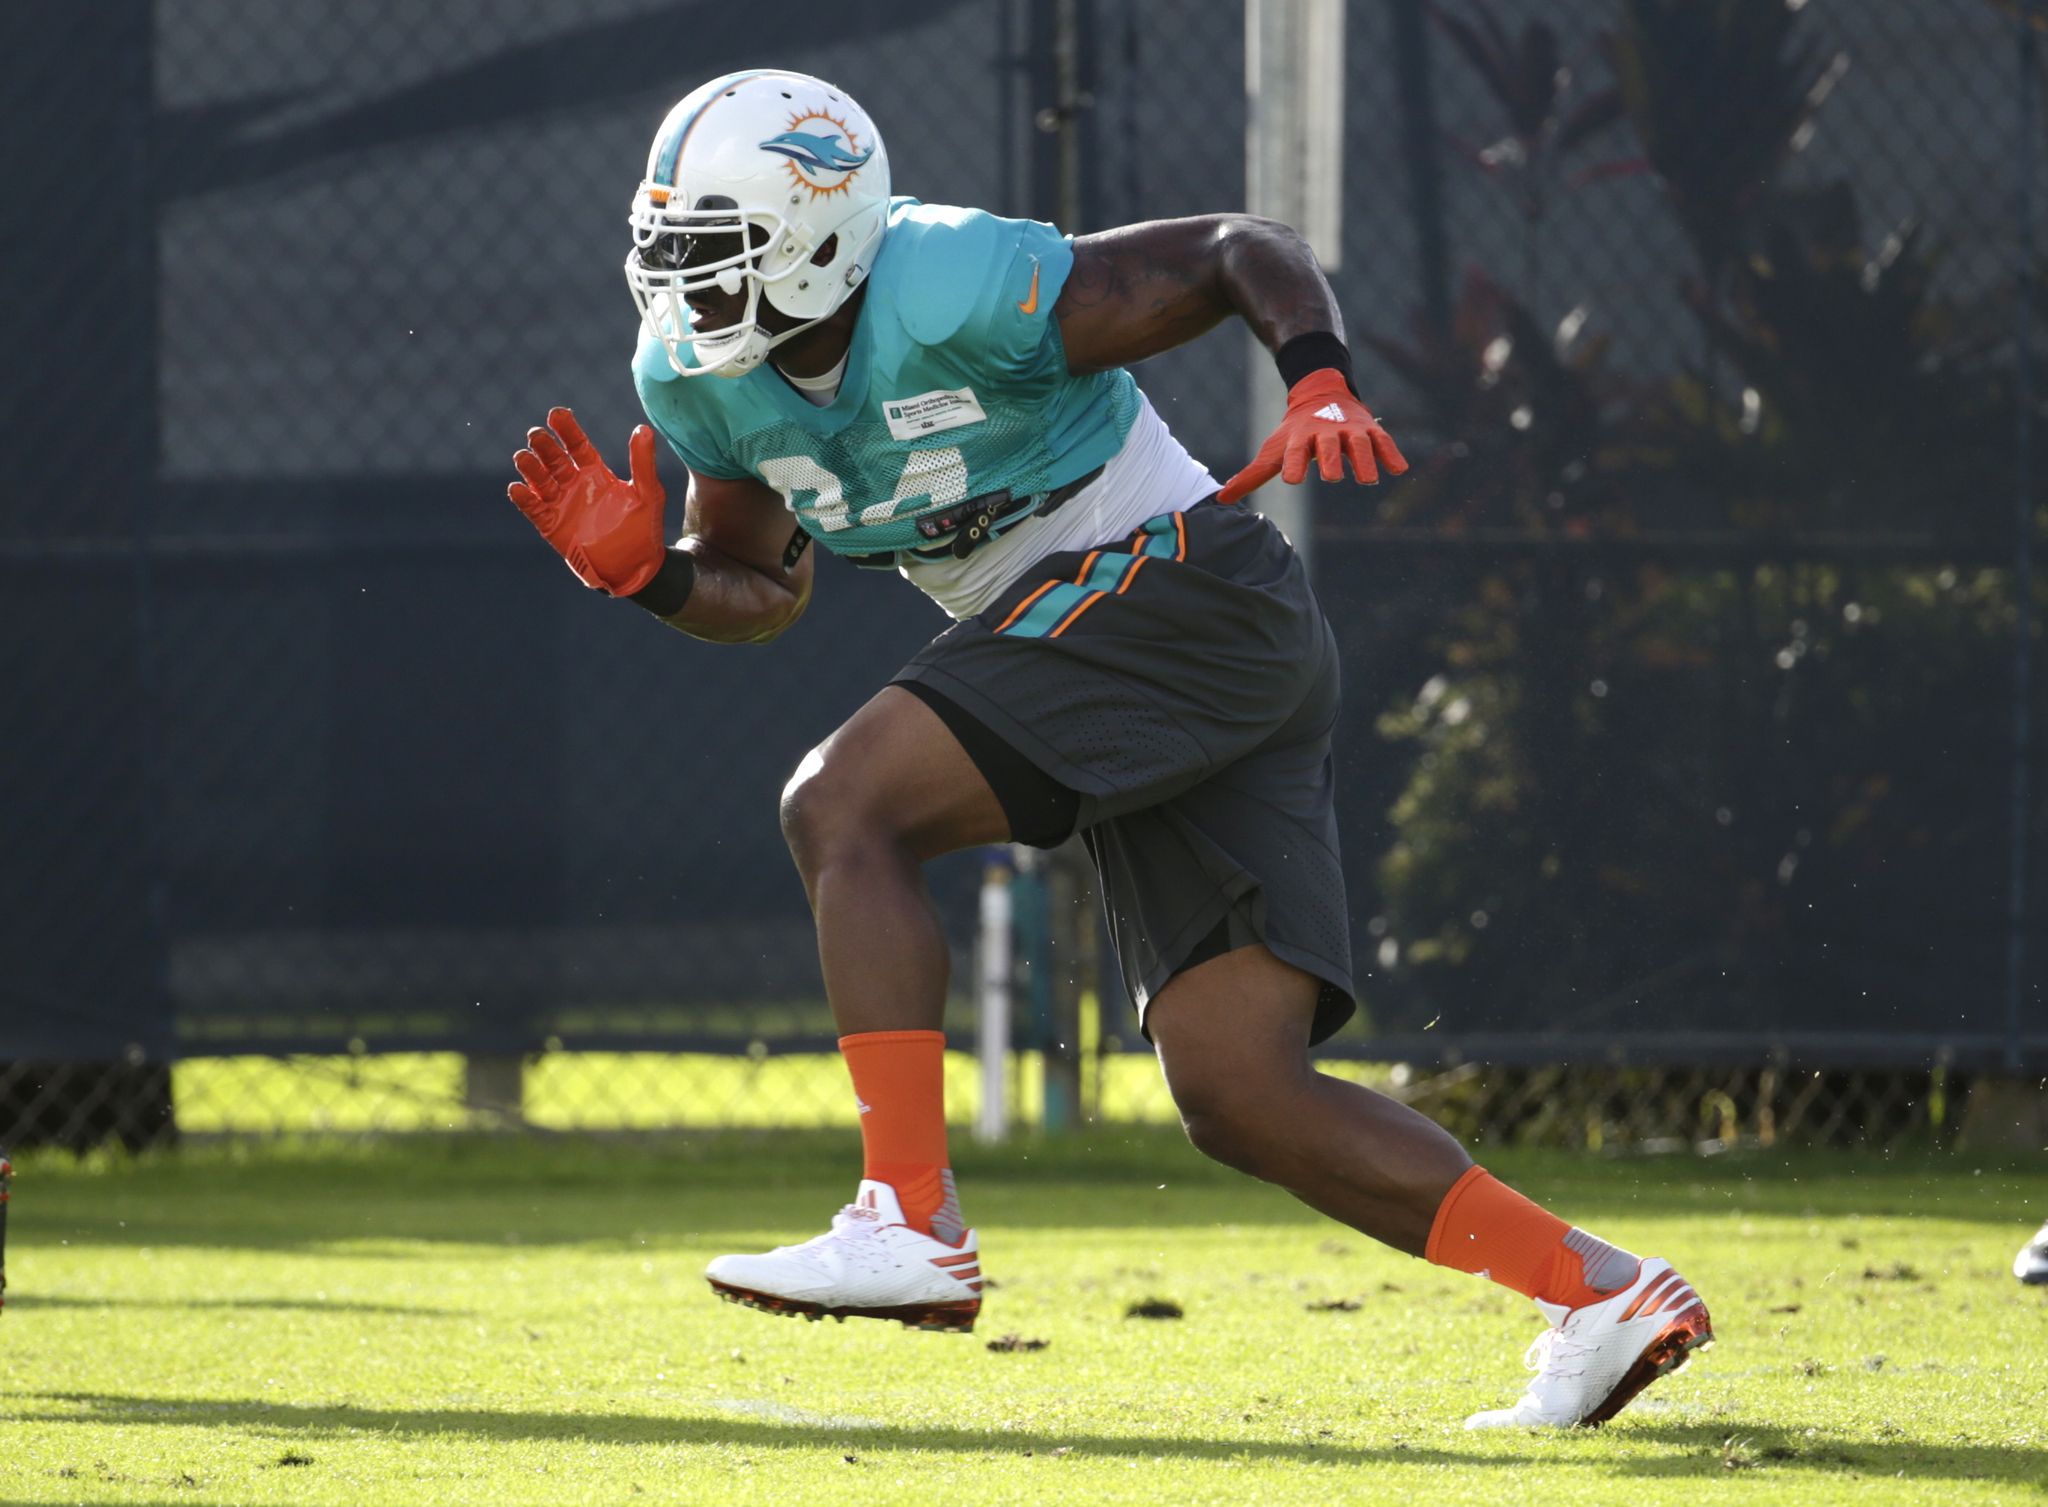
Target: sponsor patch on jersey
pixel 930 412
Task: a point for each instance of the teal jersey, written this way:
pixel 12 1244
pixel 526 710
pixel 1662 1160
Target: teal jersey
pixel 956 386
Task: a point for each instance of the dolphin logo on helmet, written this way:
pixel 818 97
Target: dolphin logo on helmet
pixel 817 159
pixel 821 154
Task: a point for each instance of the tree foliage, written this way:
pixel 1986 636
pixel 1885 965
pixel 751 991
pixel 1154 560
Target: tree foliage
pixel 1741 790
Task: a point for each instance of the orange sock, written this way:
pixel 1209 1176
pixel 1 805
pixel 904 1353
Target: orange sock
pixel 899 1084
pixel 1485 1227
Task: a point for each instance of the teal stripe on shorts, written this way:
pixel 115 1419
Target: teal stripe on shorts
pixel 1162 537
pixel 1046 612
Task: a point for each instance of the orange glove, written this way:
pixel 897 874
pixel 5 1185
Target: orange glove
pixel 610 531
pixel 1323 420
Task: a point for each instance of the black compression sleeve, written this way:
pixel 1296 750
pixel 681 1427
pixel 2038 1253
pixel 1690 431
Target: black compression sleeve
pixel 1312 353
pixel 665 594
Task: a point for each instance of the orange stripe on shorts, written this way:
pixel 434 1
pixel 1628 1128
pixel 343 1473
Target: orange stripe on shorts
pixel 1068 621
pixel 1022 607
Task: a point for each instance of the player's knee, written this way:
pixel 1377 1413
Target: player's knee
pixel 823 810
pixel 1221 1137
pixel 1234 1096
pixel 804 806
pixel 1222 1121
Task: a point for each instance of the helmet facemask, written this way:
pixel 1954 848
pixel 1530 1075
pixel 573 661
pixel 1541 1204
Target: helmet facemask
pixel 712 247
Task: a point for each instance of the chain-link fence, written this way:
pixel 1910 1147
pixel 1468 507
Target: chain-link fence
pixel 1679 672
pixel 1688 651
pixel 1577 1106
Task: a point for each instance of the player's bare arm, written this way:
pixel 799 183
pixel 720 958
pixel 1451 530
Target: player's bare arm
pixel 733 579
pixel 1143 289
pixel 746 588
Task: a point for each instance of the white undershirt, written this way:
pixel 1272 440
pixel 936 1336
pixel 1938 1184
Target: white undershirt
pixel 1152 474
pixel 820 391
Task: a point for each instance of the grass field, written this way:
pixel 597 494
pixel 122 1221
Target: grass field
pixel 523 1321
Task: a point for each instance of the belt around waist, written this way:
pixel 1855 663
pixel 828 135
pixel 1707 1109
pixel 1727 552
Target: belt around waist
pixel 958 531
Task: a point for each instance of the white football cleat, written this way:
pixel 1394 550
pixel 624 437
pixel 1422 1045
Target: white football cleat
pixel 2031 1264
pixel 869 1265
pixel 1595 1359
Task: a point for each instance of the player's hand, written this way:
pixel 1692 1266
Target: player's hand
pixel 1326 423
pixel 608 529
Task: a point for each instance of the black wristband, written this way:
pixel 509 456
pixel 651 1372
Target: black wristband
pixel 665 594
pixel 1314 352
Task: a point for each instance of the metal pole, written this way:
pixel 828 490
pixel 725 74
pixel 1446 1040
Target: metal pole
pixel 1420 142
pixel 494 1087
pixel 993 999
pixel 1066 51
pixel 1062 118
pixel 2023 549
pixel 1070 918
pixel 1294 167
pixel 6 1183
pixel 149 710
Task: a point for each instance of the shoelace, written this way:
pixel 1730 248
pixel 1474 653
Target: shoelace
pixel 852 1222
pixel 1551 1346
pixel 856 1221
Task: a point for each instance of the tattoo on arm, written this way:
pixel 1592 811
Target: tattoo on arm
pixel 1123 302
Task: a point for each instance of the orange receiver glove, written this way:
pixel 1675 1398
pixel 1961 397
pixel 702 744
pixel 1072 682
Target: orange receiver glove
pixel 1324 420
pixel 609 530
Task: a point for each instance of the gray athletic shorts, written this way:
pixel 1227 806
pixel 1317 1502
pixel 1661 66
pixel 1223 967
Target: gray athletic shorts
pixel 1183 682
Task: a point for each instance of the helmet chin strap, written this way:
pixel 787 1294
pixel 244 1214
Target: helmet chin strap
pixel 755 346
pixel 808 324
pixel 756 343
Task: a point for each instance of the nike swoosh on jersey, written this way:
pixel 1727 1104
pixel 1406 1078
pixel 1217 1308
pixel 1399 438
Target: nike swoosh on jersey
pixel 1030 304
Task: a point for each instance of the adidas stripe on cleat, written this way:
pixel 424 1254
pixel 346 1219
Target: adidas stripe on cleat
pixel 1594 1360
pixel 869 1265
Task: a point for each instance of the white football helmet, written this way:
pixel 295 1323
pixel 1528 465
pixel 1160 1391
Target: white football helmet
pixel 748 179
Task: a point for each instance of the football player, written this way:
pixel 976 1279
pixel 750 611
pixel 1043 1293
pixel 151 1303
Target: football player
pixel 945 393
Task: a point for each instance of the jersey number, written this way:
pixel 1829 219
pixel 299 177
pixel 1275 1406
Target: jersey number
pixel 940 475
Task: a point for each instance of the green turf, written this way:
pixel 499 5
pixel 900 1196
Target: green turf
pixel 492 1322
